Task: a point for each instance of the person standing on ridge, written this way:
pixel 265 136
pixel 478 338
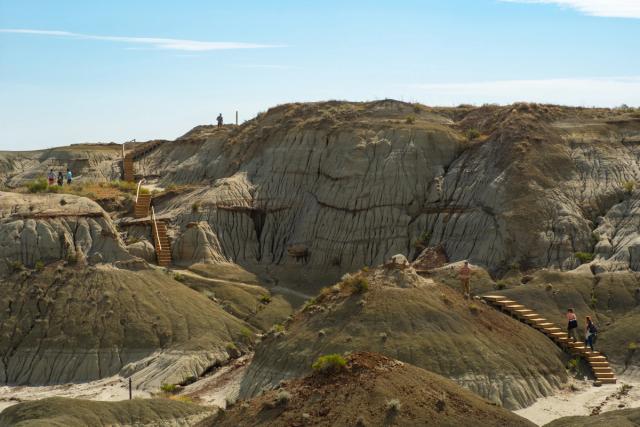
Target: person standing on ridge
pixel 219 120
pixel 60 179
pixel 591 333
pixel 465 277
pixel 69 176
pixel 572 324
pixel 52 177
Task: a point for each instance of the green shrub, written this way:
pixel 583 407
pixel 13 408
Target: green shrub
pixel 195 207
pixel 572 364
pixel 38 185
pixel 178 277
pixel 169 388
pixel 473 134
pixel 356 284
pixel 410 120
pixel 633 346
pixel 246 334
pixel 278 327
pixel 39 265
pixel 474 309
pixel 265 299
pixel 584 257
pixel 501 284
pixel 17 266
pixel 629 186
pixel 329 364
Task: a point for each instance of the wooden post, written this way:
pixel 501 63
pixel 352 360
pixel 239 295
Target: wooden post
pixel 236 117
pixel 130 392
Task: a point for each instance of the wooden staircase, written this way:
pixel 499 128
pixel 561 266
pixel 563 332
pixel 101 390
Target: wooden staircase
pixel 597 361
pixel 161 242
pixel 127 167
pixel 143 206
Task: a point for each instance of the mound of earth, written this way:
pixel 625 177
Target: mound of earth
pixel 74 324
pixel 370 390
pixel 402 315
pixel 621 418
pixel 63 412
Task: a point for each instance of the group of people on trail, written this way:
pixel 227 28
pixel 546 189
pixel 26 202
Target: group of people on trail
pixel 591 331
pixel 59 179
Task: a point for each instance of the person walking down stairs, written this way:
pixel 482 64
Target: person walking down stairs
pixel 572 324
pixel 591 333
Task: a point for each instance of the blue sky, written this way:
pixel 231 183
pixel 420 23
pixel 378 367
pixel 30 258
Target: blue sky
pixel 76 71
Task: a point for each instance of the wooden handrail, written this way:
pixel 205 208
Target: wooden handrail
pixel 138 191
pixel 155 226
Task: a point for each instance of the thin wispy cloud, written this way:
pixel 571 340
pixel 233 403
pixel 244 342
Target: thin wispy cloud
pixel 153 42
pixel 267 66
pixel 604 8
pixel 610 91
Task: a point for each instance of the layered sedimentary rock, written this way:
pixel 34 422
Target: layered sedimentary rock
pixel 38 229
pixel 348 185
pixel 65 324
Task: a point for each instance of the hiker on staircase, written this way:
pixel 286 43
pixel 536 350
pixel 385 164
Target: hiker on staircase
pixel 219 120
pixel 591 333
pixel 572 324
pixel 465 277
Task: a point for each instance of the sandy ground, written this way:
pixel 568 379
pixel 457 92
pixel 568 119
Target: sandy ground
pixel 108 389
pixel 580 398
pixel 221 386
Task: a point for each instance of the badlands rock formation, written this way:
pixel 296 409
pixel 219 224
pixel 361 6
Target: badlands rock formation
pixel 402 315
pixel 50 227
pixel 89 162
pixel 333 186
pixel 76 305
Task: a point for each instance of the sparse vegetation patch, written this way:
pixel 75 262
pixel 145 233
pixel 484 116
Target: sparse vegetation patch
pixel 329 365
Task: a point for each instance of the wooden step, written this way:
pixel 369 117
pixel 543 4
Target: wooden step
pixel 599 364
pixel 558 335
pixel 601 375
pixel 576 344
pixel 601 369
pixel 523 311
pixel 530 316
pixel 607 380
pixel 596 359
pixel 494 297
pixel 505 302
pixel 513 307
pixel 551 329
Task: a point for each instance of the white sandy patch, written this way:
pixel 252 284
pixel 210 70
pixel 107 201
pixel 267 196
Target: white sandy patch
pixel 107 389
pixel 581 402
